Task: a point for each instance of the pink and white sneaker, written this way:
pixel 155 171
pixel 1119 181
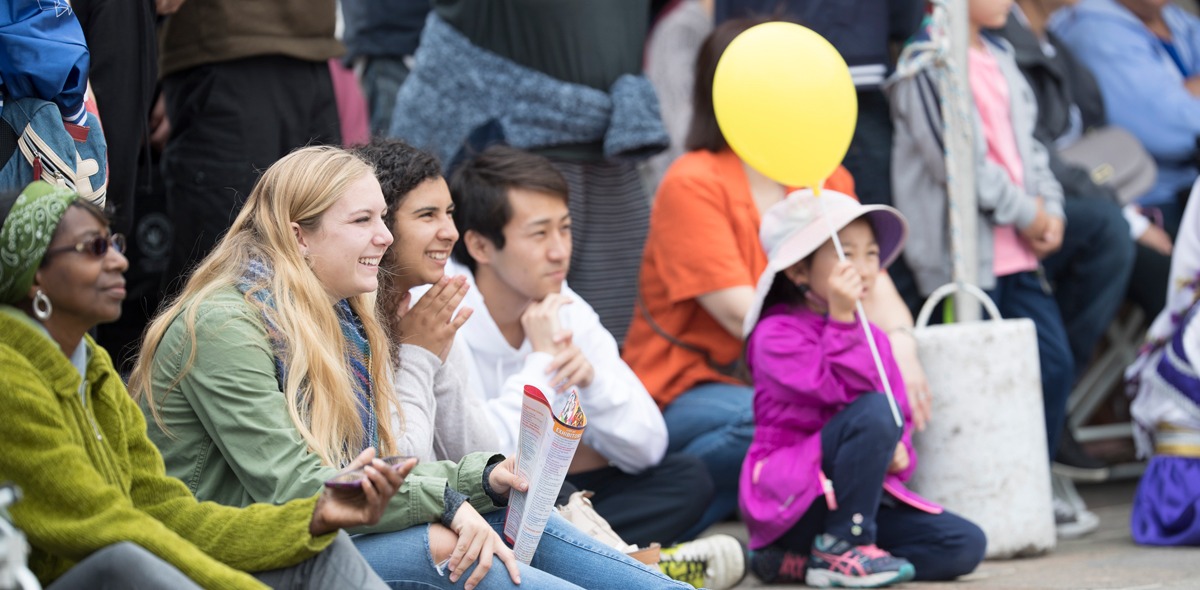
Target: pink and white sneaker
pixel 837 563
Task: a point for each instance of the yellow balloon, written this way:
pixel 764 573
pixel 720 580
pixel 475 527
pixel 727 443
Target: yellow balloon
pixel 785 102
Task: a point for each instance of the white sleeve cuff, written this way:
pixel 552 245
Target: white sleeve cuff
pixel 1138 223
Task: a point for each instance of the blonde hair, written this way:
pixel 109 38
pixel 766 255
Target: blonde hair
pixel 299 188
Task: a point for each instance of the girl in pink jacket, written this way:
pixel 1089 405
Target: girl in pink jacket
pixel 822 488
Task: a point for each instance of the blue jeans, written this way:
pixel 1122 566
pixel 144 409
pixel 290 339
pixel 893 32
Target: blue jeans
pixel 565 558
pixel 715 422
pixel 1023 295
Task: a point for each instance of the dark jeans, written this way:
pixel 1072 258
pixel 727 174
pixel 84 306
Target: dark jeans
pixel 229 122
pixel 126 566
pixel 1148 285
pixel 657 505
pixel 1024 295
pixel 857 446
pixel 715 422
pixel 1090 273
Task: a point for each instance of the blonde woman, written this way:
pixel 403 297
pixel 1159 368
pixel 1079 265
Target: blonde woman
pixel 269 372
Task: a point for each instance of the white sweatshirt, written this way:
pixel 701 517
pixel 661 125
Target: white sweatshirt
pixel 624 423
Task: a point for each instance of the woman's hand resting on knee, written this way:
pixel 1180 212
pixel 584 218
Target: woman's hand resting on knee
pixel 478 541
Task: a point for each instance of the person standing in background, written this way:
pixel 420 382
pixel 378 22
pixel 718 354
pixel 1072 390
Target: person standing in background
pixel 380 38
pixel 245 83
pixel 561 79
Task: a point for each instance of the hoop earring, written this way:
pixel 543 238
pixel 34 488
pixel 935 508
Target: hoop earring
pixel 41 306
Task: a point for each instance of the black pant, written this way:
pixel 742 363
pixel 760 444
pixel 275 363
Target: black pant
pixel 148 252
pixel 857 447
pixel 231 121
pixel 124 53
pixel 654 506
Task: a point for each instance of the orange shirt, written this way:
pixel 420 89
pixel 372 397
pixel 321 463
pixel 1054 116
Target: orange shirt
pixel 703 238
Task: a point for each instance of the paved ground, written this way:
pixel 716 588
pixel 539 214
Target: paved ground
pixel 1106 560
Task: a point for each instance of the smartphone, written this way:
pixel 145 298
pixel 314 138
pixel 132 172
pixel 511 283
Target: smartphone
pixel 353 479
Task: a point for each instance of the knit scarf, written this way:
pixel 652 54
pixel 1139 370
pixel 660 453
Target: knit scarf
pixel 256 283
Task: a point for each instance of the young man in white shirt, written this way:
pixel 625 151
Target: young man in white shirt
pixel 528 327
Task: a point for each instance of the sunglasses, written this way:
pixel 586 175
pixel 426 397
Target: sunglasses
pixel 97 246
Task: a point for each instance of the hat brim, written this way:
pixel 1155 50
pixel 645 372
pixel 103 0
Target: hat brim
pixel 891 231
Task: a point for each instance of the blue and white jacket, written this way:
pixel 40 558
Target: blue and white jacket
pixel 43 55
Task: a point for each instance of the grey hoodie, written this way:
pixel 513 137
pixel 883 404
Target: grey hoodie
pixel 919 168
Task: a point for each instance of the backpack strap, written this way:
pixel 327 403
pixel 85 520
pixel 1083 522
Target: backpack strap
pixel 736 368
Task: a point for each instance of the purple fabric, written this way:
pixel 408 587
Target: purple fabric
pixel 807 369
pixel 1168 499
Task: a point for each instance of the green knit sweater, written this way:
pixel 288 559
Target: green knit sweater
pixel 92 478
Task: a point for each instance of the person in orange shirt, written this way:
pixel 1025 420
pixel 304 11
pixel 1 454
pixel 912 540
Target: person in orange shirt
pixel 701 261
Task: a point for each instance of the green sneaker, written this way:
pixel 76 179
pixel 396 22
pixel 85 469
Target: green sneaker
pixel 716 562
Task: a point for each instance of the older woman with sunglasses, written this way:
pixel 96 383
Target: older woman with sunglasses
pixel 98 510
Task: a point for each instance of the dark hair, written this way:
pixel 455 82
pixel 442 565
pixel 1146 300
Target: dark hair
pixel 399 168
pixel 480 186
pixel 783 290
pixel 703 131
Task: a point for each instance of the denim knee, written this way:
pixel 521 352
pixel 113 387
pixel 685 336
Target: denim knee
pixel 871 414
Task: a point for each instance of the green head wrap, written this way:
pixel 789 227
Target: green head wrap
pixel 25 235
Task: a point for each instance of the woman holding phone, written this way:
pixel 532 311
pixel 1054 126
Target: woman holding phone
pixel 270 370
pixel 98 509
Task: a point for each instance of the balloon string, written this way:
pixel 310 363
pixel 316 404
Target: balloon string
pixel 862 321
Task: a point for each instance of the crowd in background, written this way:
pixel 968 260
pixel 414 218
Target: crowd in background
pixel 501 193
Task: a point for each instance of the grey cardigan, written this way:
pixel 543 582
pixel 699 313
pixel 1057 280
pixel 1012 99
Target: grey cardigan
pixel 439 419
pixel 919 168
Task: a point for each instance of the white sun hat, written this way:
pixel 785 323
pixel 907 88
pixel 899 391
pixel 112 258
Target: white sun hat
pixel 787 239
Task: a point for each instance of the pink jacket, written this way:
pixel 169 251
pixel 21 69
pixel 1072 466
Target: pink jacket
pixel 806 369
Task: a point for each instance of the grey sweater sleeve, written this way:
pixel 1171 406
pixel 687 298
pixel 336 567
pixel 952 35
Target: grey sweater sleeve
pixel 461 422
pixel 414 385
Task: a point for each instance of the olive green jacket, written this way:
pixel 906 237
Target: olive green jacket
pixel 229 435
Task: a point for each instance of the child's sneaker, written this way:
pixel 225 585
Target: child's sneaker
pixel 778 566
pixel 835 562
pixel 717 562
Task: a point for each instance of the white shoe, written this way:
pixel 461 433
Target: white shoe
pixel 716 562
pixel 1071 522
pixel 1072 519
